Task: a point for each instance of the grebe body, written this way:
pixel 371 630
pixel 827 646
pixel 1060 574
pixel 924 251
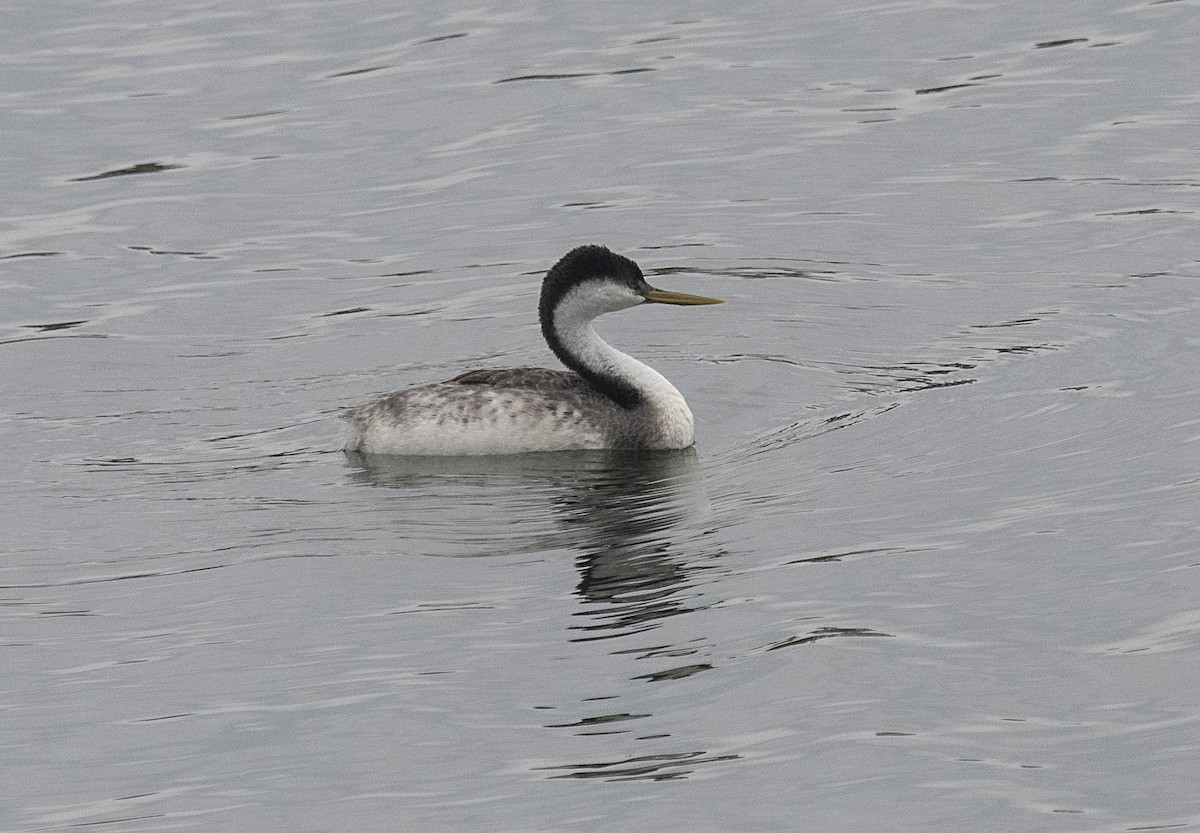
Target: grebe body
pixel 606 399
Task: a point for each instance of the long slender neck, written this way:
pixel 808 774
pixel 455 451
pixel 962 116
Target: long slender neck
pixel 620 377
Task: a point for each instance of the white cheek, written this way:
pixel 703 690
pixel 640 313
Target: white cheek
pixel 610 298
pixel 586 301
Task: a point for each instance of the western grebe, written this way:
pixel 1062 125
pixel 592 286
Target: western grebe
pixel 606 400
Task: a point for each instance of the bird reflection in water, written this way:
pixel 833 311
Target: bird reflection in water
pixel 620 510
pixel 630 516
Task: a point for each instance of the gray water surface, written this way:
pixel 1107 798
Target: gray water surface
pixel 933 564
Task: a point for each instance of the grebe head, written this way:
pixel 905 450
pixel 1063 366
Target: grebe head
pixel 591 280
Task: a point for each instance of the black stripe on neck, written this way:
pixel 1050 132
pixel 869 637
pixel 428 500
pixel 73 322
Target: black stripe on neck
pixel 615 388
pixel 576 267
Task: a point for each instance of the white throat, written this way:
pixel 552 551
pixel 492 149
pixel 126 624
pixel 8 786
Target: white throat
pixel 572 322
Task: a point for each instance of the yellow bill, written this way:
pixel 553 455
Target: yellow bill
pixel 665 296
